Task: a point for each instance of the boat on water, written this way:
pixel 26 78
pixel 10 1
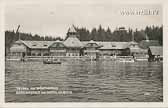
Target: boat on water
pixel 51 61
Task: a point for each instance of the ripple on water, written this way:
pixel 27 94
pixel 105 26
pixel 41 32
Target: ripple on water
pixel 106 81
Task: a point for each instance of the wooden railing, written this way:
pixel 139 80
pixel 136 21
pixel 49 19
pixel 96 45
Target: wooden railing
pixel 61 57
pixel 76 56
pixel 73 57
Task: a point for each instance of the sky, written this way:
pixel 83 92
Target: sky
pixel 54 17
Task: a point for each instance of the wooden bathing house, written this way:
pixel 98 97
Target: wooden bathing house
pixel 33 49
pixel 72 43
pixel 155 53
pixel 38 48
pixel 137 52
pixel 145 46
pixel 91 49
pixel 18 50
pixel 72 47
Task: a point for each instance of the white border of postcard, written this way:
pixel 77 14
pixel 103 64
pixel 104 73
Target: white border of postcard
pixel 88 104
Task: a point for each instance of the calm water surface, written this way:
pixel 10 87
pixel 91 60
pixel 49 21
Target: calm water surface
pixel 102 81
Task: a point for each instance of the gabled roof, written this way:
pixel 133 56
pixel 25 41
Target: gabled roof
pixel 73 42
pixel 38 44
pixel 35 44
pixel 146 44
pixel 57 44
pixel 156 50
pixel 92 43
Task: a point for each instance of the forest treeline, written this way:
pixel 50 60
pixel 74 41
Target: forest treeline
pixel 120 34
pixel 96 34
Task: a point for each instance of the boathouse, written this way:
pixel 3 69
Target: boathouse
pixel 114 48
pixel 155 53
pixel 137 52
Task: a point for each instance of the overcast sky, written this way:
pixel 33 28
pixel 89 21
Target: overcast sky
pixel 54 18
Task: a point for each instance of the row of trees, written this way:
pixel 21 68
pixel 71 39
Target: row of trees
pixel 120 34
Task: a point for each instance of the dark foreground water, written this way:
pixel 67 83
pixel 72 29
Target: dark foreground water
pixel 103 81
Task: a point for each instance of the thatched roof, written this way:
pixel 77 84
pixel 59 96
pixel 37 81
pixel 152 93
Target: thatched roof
pixel 156 50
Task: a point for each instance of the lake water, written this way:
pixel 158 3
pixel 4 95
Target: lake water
pixel 101 81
